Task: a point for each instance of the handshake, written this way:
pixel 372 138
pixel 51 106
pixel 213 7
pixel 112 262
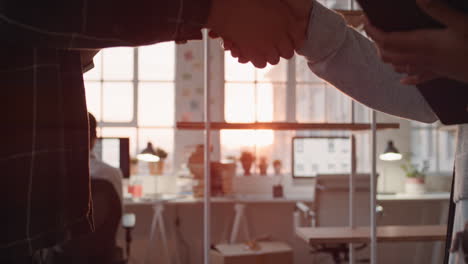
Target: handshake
pixel 260 31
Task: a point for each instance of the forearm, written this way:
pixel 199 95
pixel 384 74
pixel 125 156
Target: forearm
pixel 349 61
pixel 98 24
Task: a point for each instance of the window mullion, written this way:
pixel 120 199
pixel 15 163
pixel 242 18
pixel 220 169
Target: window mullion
pixel 135 96
pixel 291 91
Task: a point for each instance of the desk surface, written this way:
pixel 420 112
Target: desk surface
pixel 414 197
pixel 232 199
pixel 331 235
pixel 259 198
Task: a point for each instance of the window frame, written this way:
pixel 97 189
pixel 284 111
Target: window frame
pixel 133 123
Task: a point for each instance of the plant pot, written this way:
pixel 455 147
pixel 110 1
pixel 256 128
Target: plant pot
pixel 263 169
pixel 247 159
pixel 278 191
pixel 247 166
pixel 160 167
pixel 415 186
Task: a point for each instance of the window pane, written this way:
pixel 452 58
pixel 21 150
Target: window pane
pixel 235 71
pixel 277 73
pixel 264 102
pixel 246 138
pixel 95 73
pixel 303 73
pixel 279 102
pixel 118 102
pixel 361 113
pixel 161 138
pixel 239 103
pixel 338 106
pixel 446 150
pixel 156 104
pixel 310 103
pixel 118 63
pixel 129 132
pixel 93 98
pixel 156 62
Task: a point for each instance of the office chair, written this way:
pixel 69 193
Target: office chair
pixel 100 246
pixel 331 209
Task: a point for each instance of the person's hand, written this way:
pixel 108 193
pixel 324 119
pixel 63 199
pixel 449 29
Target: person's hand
pixel 259 31
pixel 87 56
pixel 419 77
pixel 429 52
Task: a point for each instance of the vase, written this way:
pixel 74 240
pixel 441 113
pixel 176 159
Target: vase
pixel 263 168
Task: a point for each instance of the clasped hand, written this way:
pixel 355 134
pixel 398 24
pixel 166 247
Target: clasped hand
pixel 427 53
pixel 260 31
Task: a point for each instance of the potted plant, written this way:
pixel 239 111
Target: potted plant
pixel 247 158
pixel 277 165
pixel 415 176
pixel 263 166
pixel 162 154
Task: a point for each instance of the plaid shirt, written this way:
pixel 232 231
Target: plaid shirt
pixel 45 196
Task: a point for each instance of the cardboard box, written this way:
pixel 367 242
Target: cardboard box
pixel 268 253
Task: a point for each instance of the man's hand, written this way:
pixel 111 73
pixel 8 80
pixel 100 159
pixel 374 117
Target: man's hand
pixel 443 52
pixel 87 56
pixel 259 31
pixel 87 59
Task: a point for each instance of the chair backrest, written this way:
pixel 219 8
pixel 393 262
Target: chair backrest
pixel 100 245
pixel 107 211
pixel 331 204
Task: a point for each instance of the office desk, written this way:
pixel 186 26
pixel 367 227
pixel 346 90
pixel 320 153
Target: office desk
pixel 260 198
pixel 247 199
pixel 430 196
pixel 333 235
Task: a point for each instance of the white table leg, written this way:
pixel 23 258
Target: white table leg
pixel 158 221
pixel 239 219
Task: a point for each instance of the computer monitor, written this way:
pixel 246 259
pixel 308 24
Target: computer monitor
pixel 115 152
pixel 312 156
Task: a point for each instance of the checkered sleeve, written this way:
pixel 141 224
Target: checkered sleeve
pixel 94 24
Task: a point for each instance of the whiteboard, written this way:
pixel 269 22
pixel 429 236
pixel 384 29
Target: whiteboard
pixel 320 155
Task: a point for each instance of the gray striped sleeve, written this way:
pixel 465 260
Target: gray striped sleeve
pixel 349 61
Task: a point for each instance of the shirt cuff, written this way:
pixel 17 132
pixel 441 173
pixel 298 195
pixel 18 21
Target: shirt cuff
pixel 326 31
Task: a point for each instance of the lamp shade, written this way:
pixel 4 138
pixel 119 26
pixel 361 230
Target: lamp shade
pixel 148 154
pixel 391 153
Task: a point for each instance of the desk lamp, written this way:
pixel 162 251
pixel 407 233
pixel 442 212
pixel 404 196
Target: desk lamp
pixel 391 153
pixel 148 154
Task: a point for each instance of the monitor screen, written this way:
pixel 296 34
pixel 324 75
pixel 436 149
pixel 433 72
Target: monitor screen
pixel 115 152
pixel 320 155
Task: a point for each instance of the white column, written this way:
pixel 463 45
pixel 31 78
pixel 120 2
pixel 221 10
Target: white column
pixel 207 158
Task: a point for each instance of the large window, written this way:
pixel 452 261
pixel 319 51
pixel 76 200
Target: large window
pixel 249 97
pixel 434 146
pixel 261 95
pixel 131 93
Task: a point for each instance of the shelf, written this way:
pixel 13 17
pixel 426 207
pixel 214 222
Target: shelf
pixel 285 126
